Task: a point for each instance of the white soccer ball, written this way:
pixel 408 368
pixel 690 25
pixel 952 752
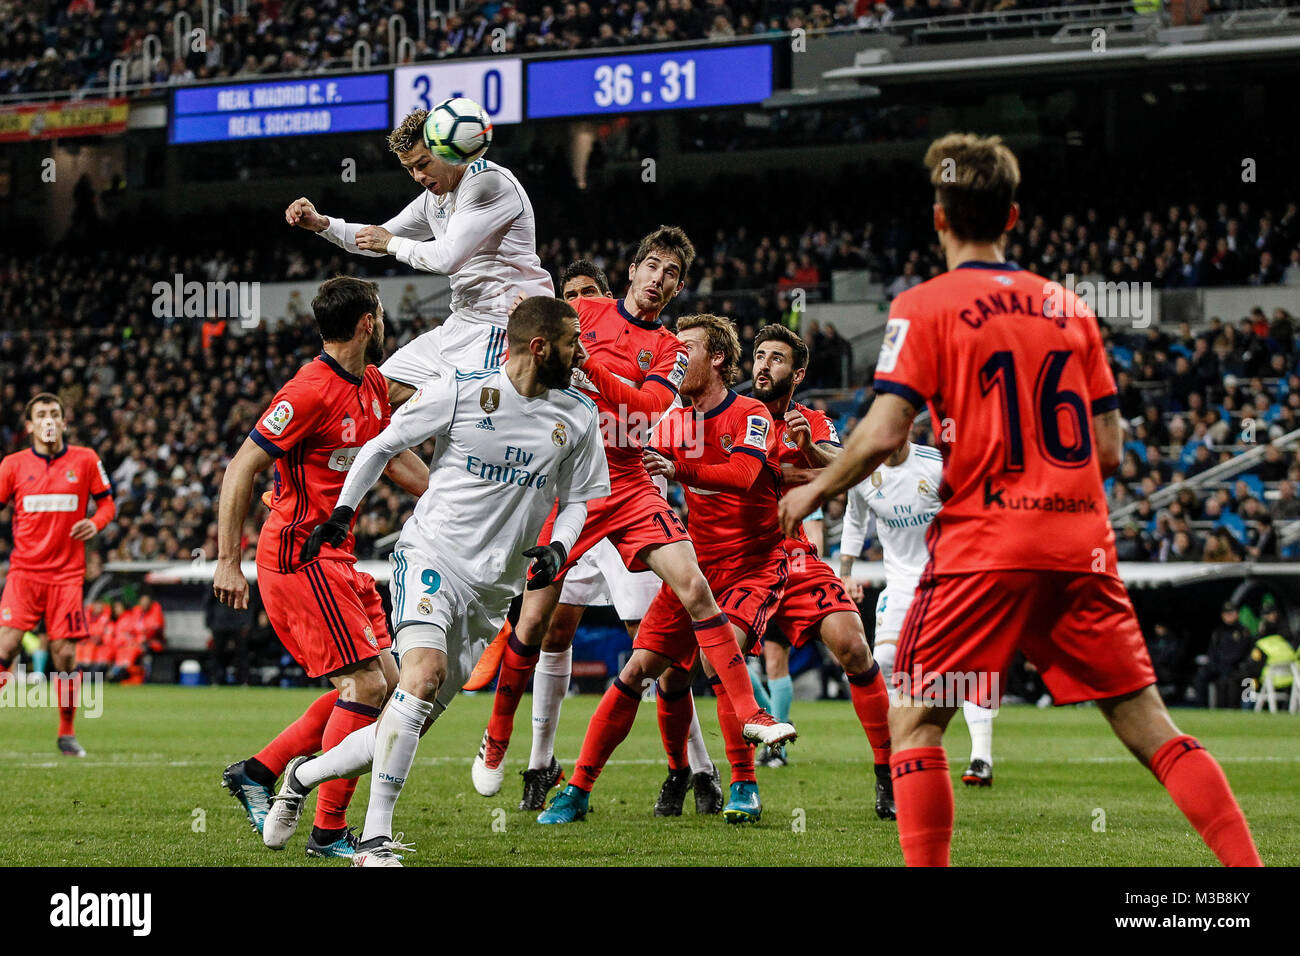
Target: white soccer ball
pixel 458 131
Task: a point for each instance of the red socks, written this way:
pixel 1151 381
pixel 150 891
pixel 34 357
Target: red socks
pixel 609 727
pixel 1197 785
pixel 517 664
pixel 675 714
pixel 302 738
pixel 717 641
pixel 740 753
pixel 335 795
pixel 923 793
pixel 871 703
pixel 67 691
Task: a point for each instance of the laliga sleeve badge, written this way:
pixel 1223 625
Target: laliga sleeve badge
pixel 279 418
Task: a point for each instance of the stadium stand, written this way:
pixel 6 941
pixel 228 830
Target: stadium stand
pixel 56 47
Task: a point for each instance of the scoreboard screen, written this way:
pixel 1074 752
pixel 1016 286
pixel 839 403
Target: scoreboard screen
pixel 312 106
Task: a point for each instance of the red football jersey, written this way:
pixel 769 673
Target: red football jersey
pixel 1013 369
pixel 636 352
pixel 728 527
pixel 50 495
pixel 788 453
pixel 314 428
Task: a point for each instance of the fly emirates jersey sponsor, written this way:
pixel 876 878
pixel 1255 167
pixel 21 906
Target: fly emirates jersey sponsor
pixel 501 462
pixel 727 527
pixel 482 235
pixel 900 503
pixel 788 453
pixel 1013 369
pixel 50 495
pixel 639 354
pixel 314 427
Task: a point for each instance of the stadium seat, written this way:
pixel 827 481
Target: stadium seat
pixel 1269 691
pixel 1138 448
pixel 1236 527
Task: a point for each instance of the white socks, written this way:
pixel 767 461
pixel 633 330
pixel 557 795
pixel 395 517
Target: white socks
pixel 696 753
pixel 550 684
pixel 884 656
pixel 979 721
pixel 396 739
pixel 350 757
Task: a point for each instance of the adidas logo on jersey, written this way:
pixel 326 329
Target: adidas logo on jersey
pixel 487 425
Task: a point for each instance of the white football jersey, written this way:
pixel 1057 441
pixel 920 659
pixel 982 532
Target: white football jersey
pixel 481 234
pixel 899 503
pixel 500 463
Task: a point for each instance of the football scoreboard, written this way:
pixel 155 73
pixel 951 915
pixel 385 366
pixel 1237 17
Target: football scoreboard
pixel 509 88
pixel 311 106
pixel 692 78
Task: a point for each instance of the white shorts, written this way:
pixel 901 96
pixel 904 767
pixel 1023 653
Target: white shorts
pixel 599 578
pixel 423 593
pixel 891 611
pixel 465 344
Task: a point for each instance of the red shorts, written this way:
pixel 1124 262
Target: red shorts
pixel 29 598
pixel 327 614
pixel 635 517
pixel 747 594
pixel 812 592
pixel 1079 630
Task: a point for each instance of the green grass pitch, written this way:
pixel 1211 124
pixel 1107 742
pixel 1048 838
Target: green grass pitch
pixel 149 792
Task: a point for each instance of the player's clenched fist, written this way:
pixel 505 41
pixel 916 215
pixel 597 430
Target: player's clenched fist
pixel 302 213
pixel 332 531
pixel 798 429
pixel 373 238
pixel 547 561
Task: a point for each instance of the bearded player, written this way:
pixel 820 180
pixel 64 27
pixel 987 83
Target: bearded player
pixel 815 606
pixel 463 554
pixel 1021 555
pixel 51 484
pixel 633 369
pixel 327 614
pixel 723 452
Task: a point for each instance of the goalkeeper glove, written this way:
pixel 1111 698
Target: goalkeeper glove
pixel 547 561
pixel 334 530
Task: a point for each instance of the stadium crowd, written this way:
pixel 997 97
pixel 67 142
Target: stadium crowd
pixel 54 45
pixel 166 401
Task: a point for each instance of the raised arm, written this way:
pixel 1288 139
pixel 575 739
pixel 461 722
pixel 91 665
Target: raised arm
pixel 486 203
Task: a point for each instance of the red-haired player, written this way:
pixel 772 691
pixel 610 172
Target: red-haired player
pixel 1022 554
pixel 723 451
pixel 327 614
pixel 51 484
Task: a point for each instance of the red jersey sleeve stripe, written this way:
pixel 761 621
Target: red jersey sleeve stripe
pixel 905 392
pixel 1107 403
pixel 268 446
pixel 662 381
pixel 750 451
pixel 103 494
